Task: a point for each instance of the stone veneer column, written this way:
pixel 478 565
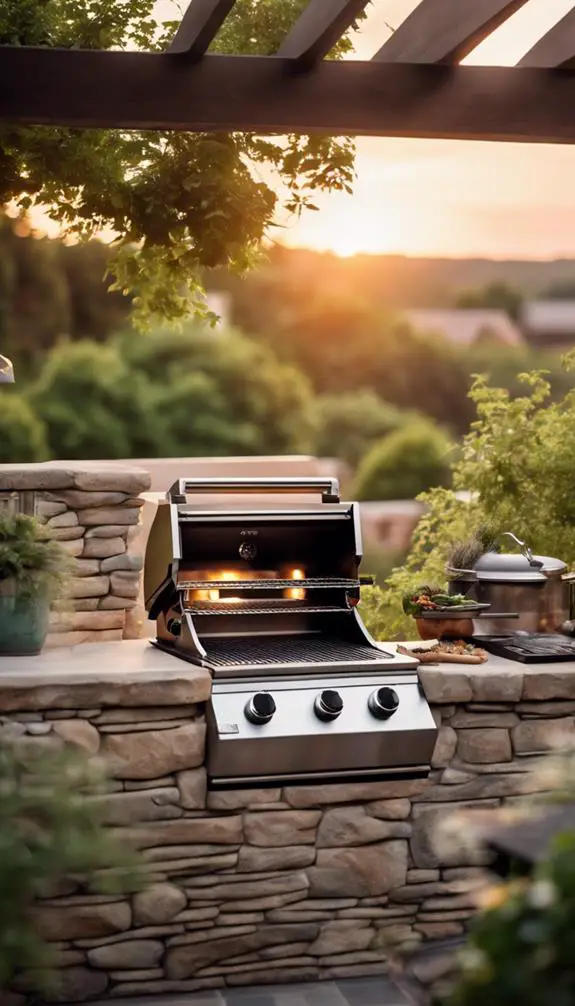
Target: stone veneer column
pixel 94 512
pixel 284 884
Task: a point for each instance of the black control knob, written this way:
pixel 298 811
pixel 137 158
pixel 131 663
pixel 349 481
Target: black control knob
pixel 174 625
pixel 260 708
pixel 383 703
pixel 328 705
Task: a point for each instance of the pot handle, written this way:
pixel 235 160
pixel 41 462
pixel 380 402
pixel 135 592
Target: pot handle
pixel 525 550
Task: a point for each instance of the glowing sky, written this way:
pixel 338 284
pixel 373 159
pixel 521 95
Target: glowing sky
pixel 453 197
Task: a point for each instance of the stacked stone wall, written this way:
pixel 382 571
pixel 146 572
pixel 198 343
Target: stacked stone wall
pixel 94 513
pixel 292 883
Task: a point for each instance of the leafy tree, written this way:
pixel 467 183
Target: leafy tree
pixel 49 290
pixel 404 464
pixel 169 393
pixel 22 433
pixel 184 200
pixel 94 406
pixel 499 296
pixel 343 343
pixel 349 423
pixel 222 393
pixel 563 289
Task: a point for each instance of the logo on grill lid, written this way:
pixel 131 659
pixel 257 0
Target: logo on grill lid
pixel 248 550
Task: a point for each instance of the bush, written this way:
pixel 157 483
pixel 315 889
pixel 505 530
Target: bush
pixel 404 464
pixel 348 424
pixel 51 839
pixel 22 433
pixel 521 946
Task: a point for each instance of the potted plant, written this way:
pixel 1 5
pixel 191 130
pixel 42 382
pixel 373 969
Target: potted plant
pixel 32 572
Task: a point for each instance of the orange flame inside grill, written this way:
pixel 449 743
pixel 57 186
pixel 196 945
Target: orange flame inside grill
pixel 214 594
pixel 296 593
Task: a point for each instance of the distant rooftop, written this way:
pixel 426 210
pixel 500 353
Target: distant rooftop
pixel 466 327
pixel 549 317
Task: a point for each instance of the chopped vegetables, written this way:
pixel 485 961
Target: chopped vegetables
pixel 424 600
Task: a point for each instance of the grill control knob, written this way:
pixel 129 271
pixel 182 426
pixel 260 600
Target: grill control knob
pixel 174 625
pixel 260 708
pixel 383 703
pixel 328 705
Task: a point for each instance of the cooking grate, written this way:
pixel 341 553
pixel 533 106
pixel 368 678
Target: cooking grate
pixel 249 608
pixel 246 652
pixel 309 583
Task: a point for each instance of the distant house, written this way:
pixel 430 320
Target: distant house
pixel 549 323
pixel 466 327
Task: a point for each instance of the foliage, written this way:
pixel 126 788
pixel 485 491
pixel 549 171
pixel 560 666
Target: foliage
pixel 222 393
pixel 169 393
pixel 29 556
pixel 349 423
pixel 494 296
pixel 343 343
pixel 22 434
pixel 50 834
pixel 50 290
pixel 404 464
pixel 93 406
pixel 177 201
pixel 521 950
pixel 517 463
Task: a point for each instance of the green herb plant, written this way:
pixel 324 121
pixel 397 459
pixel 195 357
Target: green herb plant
pixel 516 472
pixel 30 560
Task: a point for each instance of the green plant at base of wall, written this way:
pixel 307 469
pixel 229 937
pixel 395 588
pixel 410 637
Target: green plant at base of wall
pixel 49 833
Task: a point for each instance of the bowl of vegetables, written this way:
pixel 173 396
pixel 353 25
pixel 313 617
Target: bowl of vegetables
pixel 439 615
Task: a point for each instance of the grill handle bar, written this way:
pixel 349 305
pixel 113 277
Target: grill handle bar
pixel 328 487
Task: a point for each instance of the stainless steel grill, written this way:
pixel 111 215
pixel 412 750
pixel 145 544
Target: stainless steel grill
pixel 267 598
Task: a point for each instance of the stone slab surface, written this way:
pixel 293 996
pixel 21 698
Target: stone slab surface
pixel 124 673
pixel 376 991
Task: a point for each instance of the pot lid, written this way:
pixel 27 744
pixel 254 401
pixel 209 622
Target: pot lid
pixel 516 567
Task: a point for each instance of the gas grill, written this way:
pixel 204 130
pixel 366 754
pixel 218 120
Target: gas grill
pixel 266 598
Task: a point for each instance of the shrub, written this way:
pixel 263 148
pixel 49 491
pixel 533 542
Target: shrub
pixel 404 464
pixel 22 432
pixel 348 424
pixel 51 838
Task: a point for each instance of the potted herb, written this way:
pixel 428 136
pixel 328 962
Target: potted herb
pixel 32 572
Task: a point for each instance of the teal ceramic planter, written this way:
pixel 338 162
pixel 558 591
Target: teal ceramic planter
pixel 23 623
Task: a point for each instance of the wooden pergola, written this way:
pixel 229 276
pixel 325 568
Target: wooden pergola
pixel 414 85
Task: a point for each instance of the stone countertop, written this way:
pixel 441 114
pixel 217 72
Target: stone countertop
pixel 127 673
pixel 497 680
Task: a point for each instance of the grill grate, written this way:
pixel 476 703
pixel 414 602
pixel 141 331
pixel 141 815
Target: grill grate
pixel 260 651
pixel 249 608
pixel 310 583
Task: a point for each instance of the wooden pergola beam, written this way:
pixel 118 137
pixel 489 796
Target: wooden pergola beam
pixel 321 24
pixel 130 90
pixel 445 31
pixel 200 24
pixel 556 48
